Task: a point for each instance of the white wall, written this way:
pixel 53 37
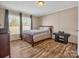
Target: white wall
pixel 65 20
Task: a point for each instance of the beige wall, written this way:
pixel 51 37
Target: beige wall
pixel 2 14
pixel 65 20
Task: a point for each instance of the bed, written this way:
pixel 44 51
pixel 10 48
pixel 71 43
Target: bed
pixel 33 36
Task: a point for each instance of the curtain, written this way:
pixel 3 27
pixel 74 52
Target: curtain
pixel 31 22
pixel 20 25
pixel 6 24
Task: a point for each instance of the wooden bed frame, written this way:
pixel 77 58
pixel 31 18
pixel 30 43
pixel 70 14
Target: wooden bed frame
pixel 29 38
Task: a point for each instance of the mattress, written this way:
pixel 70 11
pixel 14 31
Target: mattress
pixel 38 34
pixel 41 36
pixel 35 32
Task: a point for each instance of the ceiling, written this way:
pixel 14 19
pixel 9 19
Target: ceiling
pixel 31 7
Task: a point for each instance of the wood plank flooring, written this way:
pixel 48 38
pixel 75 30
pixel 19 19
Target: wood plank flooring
pixel 43 49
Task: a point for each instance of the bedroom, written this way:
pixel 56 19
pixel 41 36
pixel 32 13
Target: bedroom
pixel 18 17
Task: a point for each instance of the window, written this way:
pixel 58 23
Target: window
pixel 26 23
pixel 2 14
pixel 14 24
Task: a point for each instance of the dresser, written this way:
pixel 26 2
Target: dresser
pixel 4 45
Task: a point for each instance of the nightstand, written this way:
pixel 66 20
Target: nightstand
pixel 61 37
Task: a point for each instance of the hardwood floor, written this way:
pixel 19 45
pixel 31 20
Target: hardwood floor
pixel 44 49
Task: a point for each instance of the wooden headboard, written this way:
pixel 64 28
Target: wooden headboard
pixel 50 28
